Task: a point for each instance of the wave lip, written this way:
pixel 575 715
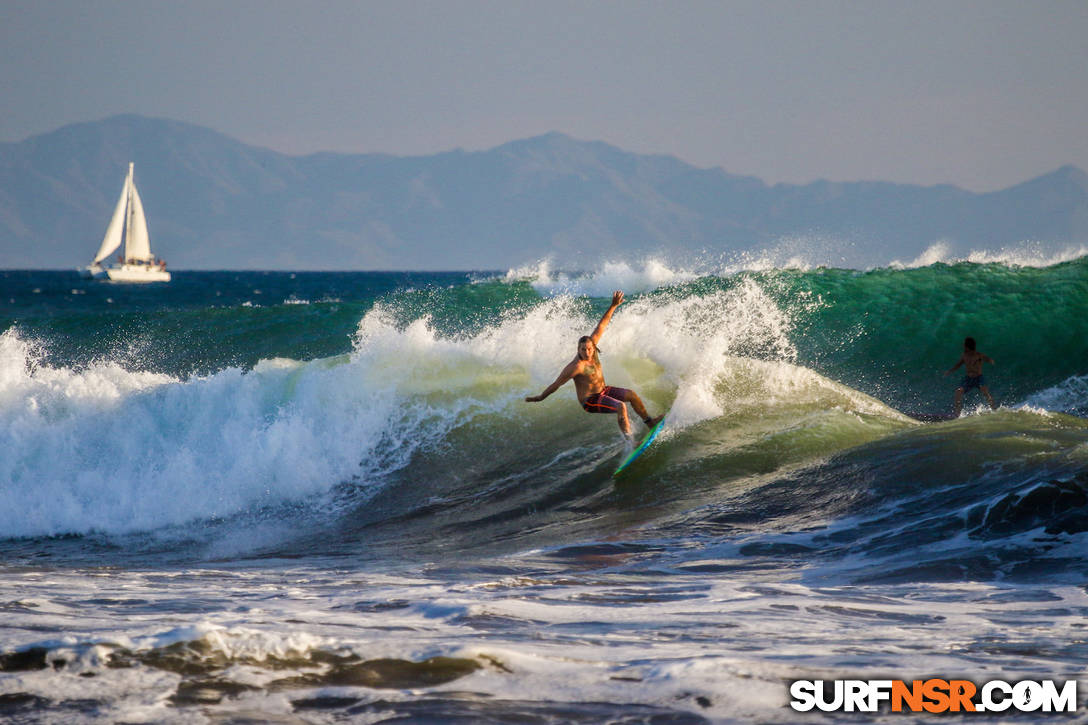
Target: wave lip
pixel 1027 254
pixel 790 254
pixel 644 276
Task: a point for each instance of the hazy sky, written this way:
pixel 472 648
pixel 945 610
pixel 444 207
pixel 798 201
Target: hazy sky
pixel 981 93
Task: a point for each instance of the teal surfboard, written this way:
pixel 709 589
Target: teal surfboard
pixel 633 456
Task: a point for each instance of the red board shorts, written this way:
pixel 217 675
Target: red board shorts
pixel 609 400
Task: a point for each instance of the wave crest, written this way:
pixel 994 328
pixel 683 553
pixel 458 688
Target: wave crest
pixel 1028 254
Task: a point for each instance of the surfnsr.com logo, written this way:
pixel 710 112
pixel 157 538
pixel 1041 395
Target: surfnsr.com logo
pixel 933 695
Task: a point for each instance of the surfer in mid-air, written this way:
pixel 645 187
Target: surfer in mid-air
pixel 593 394
pixel 972 361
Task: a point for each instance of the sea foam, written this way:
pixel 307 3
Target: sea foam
pixel 1070 395
pixel 107 449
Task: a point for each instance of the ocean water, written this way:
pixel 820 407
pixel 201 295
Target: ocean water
pixel 320 498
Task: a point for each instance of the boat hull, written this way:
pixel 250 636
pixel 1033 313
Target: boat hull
pixel 137 273
pixel 92 271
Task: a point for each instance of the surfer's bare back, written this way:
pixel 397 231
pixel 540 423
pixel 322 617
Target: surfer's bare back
pixel 593 394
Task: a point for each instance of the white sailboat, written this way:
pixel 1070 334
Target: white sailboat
pixel 137 264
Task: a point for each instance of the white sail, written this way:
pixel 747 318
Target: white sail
pixel 112 240
pixel 138 264
pixel 137 243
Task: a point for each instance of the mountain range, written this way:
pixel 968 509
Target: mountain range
pixel 213 202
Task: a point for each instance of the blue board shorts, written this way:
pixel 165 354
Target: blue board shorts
pixel 609 400
pixel 975 382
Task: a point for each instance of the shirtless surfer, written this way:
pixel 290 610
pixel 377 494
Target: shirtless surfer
pixel 593 394
pixel 972 361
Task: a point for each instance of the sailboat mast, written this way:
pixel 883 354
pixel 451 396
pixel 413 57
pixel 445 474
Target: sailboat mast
pixel 128 212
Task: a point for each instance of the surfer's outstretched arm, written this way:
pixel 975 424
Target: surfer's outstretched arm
pixel 617 300
pixel 951 369
pixel 567 374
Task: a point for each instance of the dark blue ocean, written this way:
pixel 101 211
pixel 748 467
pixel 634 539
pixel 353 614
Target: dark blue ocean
pixel 320 497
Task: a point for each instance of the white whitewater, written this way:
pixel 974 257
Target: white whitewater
pixel 137 264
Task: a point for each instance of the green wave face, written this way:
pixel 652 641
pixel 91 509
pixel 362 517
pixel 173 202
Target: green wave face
pixel 892 333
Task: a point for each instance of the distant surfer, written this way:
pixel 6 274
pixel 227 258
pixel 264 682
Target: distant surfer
pixel 593 394
pixel 972 361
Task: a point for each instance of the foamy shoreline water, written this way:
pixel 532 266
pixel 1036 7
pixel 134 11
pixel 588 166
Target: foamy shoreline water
pixel 691 645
